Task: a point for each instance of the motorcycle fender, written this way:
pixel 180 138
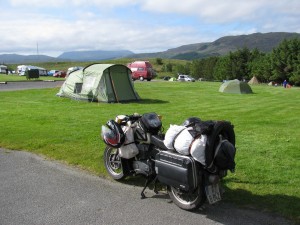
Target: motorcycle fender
pixel 176 170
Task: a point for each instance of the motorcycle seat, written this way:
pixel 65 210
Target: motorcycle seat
pixel 158 141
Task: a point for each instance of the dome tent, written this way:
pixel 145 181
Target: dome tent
pixel 100 83
pixel 236 87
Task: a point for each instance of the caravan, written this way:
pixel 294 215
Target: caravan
pixel 3 69
pixel 22 69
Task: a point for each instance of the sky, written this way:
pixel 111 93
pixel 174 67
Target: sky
pixel 51 27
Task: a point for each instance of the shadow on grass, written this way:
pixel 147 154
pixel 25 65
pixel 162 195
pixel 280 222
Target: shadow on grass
pixel 152 101
pixel 140 101
pixel 237 204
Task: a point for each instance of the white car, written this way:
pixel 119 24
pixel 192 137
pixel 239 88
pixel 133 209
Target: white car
pixel 74 68
pixel 185 78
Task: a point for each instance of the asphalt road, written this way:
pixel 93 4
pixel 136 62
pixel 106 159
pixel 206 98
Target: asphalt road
pixel 14 86
pixel 34 190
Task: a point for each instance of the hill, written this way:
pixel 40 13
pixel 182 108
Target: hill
pixel 264 42
pixel 82 56
pixel 93 55
pixel 24 59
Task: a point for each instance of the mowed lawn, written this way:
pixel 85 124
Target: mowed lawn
pixel 267 127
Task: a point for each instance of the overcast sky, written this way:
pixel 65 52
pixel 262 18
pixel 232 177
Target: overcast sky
pixel 52 27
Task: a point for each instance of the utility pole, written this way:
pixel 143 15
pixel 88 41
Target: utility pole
pixel 37 50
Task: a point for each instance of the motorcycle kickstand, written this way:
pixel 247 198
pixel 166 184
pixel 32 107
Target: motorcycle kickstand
pixel 148 182
pixel 155 188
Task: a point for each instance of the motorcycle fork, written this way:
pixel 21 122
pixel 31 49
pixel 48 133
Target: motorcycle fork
pixel 126 166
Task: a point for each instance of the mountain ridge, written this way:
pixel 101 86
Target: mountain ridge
pixel 264 42
pixel 92 55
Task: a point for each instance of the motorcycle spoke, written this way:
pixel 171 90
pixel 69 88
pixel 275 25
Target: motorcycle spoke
pixel 113 163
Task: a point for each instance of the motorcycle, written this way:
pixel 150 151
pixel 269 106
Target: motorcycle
pixel 136 145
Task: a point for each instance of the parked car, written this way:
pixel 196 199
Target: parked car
pixel 185 78
pixel 51 72
pixel 74 68
pixel 60 74
pixel 141 70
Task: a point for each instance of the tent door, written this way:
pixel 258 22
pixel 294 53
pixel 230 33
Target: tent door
pixel 121 84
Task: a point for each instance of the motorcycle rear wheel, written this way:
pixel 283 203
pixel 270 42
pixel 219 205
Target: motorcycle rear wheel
pixel 113 164
pixel 187 200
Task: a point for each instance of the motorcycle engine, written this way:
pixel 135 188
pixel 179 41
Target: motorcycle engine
pixel 144 163
pixel 142 167
pixel 146 151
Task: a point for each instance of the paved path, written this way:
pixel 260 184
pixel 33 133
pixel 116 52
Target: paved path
pixel 14 86
pixel 37 191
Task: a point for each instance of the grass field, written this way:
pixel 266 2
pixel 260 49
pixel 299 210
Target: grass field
pixel 266 123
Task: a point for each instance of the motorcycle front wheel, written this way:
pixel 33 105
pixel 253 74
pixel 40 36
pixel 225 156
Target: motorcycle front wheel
pixel 187 200
pixel 113 164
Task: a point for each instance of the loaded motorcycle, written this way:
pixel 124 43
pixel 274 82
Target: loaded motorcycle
pixel 190 159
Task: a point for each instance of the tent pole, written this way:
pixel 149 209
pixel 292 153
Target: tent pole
pixel 113 85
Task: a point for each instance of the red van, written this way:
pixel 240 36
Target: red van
pixel 141 70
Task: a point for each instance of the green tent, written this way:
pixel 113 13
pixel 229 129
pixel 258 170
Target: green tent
pixel 100 83
pixel 236 87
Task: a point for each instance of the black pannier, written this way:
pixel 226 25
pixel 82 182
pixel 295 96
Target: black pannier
pixel 176 170
pixel 150 123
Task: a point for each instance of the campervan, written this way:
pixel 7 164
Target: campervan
pixel 141 70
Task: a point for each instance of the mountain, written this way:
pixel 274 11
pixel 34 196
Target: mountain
pixel 23 59
pixel 264 42
pixel 94 55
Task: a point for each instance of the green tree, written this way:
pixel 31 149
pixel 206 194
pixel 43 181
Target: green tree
pixel 159 61
pixel 239 63
pixel 260 67
pixel 182 69
pixel 179 69
pixel 295 75
pixel 285 61
pixel 204 68
pixel 196 68
pixel 209 68
pixel 222 69
pixel 167 67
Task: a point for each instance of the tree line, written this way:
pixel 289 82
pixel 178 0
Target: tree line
pixel 283 63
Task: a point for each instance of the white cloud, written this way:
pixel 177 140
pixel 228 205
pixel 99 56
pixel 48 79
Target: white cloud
pixel 223 11
pixel 140 26
pixel 72 3
pixel 89 34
